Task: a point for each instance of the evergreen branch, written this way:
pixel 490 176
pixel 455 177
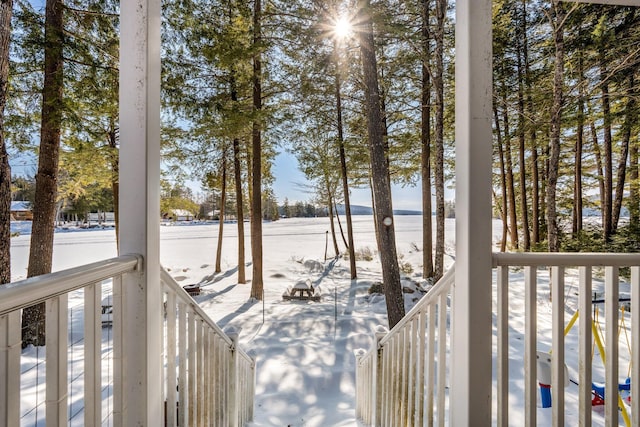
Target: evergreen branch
pixel 87 64
pixel 90 12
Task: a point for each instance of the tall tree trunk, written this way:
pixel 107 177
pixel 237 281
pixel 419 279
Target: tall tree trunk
pixel 629 121
pixel 524 208
pixel 535 175
pixel 6 7
pixel 223 201
pixel 344 240
pixel 503 180
pixel 425 137
pixel 334 238
pixel 535 194
pixel 256 175
pixel 599 172
pixel 237 172
pixel 608 150
pixel 44 209
pixel 634 188
pixel 115 177
pixel 343 172
pixel 383 212
pixel 511 191
pixel 576 226
pixel 438 82
pixel 553 230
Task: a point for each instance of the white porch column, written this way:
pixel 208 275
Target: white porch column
pixel 471 351
pixel 140 210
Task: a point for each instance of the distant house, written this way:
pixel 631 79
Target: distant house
pixel 21 211
pixel 178 215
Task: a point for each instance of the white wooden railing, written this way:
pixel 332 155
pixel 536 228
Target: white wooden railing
pixel 556 286
pixel 402 380
pixel 204 370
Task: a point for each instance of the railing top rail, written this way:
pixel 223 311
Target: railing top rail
pixel 34 290
pixel 170 282
pixel 565 259
pixel 443 285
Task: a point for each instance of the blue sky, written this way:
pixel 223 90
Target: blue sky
pixel 290 183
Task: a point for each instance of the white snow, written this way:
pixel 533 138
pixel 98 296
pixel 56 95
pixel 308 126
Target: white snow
pixel 305 350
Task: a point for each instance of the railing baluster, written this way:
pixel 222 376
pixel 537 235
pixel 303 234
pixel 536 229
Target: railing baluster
pixel 10 342
pixel 183 384
pixel 116 328
pixel 530 392
pixel 56 370
pixel 170 312
pixel 611 345
pixel 205 377
pixel 557 371
pixel 442 362
pixel 635 338
pixel 585 343
pixel 92 354
pixel 420 367
pixel 412 362
pixel 199 372
pixel 431 318
pixel 502 362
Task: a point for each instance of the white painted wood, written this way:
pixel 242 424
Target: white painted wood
pixel 191 367
pixel 635 338
pixel 530 344
pixel 93 354
pixel 116 328
pixel 25 293
pixel 183 413
pixel 585 343
pixel 205 377
pixel 430 362
pixel 442 359
pixel 557 332
pixel 140 206
pixel 502 362
pixel 10 343
pixel 199 372
pixel 472 322
pixel 56 353
pixel 611 346
pixel 420 395
pixel 171 347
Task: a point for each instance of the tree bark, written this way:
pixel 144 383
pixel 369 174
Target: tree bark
pixel 425 136
pixel 237 172
pixel 223 201
pixel 343 173
pixel 524 208
pixel 256 176
pixel 607 223
pixel 553 231
pixel 334 238
pixel 511 191
pixel 6 8
pixel 503 181
pixel 535 175
pixel 599 173
pixel 115 177
pixel 44 209
pixel 634 188
pixel 576 225
pixel 383 212
pixel 629 121
pixel 438 82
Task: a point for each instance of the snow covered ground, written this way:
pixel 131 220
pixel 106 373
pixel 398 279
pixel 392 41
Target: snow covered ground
pixel 304 350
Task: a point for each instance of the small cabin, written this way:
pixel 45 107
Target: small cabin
pixel 21 211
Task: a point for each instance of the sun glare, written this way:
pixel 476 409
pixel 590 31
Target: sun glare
pixel 342 28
